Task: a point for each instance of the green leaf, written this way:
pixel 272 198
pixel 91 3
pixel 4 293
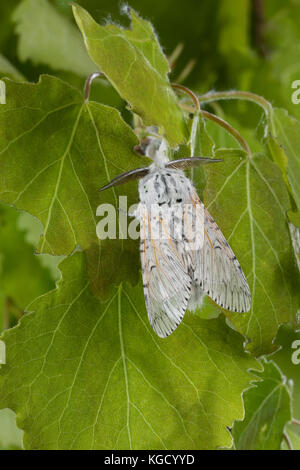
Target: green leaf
pixel 56 151
pixel 294 217
pixel 6 36
pixel 294 226
pixel 48 37
pixel 284 145
pixel 294 439
pixel 273 77
pixel 20 282
pixel 267 411
pixel 8 70
pixel 288 339
pixel 10 435
pixel 223 139
pixel 248 199
pixel 33 230
pixel 285 148
pixel 200 144
pixel 80 373
pixel 133 62
pixel 234 25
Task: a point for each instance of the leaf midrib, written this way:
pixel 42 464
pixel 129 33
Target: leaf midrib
pixel 54 197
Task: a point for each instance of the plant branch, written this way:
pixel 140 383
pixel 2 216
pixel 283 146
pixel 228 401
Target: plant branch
pixel 187 70
pixel 172 59
pixel 221 122
pixel 237 95
pixel 296 422
pixel 229 129
pixel 188 92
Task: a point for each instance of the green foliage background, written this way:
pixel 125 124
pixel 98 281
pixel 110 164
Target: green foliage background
pixel 113 384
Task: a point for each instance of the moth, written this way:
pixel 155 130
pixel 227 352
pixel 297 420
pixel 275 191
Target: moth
pixel 184 255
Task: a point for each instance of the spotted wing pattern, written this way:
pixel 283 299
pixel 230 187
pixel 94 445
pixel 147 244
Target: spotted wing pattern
pixel 216 270
pixel 167 285
pixel 179 269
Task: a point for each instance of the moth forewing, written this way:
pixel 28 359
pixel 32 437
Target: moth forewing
pixel 193 226
pixel 166 284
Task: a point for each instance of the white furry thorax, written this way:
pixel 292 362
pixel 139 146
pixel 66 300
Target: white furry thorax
pixel 164 186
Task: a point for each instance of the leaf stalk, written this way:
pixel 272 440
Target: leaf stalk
pixel 88 83
pixel 237 95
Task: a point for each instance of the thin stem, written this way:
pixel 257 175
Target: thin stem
pixel 172 59
pixel 288 441
pixel 221 122
pixel 237 95
pixel 296 421
pixel 229 128
pixel 188 92
pixel 186 71
pixel 88 83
